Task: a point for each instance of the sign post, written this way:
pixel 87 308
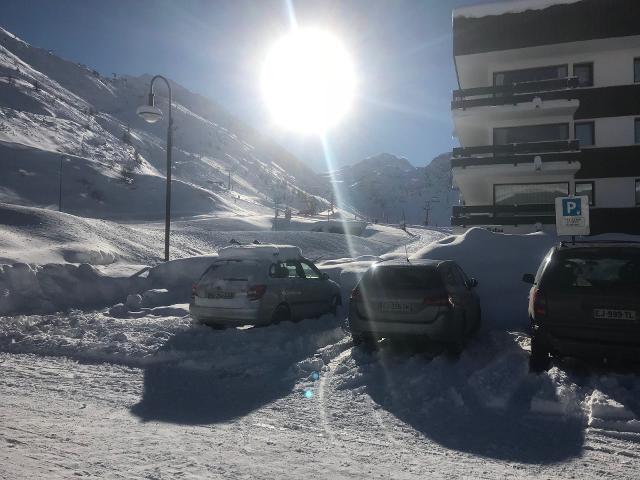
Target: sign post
pixel 572 215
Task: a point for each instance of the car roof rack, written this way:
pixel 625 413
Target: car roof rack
pixel 585 243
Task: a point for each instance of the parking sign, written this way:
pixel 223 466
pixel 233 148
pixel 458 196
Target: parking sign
pixel 572 215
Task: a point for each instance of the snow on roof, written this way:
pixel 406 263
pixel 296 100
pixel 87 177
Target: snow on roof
pixel 500 8
pixel 261 252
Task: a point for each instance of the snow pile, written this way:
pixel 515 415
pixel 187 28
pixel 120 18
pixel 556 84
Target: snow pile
pixel 263 252
pixel 498 262
pixel 181 273
pixel 28 288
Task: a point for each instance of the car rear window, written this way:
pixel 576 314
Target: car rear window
pixel 235 270
pixel 596 269
pixel 403 278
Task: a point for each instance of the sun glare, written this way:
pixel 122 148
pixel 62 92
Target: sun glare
pixel 308 81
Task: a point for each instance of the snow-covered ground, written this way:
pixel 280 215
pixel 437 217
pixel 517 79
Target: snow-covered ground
pixel 134 389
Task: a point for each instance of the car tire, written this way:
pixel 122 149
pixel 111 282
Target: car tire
pixel 280 314
pixel 540 359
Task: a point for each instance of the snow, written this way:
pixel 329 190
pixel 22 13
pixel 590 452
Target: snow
pixel 498 262
pixel 506 6
pixel 262 252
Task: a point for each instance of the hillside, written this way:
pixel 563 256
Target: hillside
pixel 67 131
pixel 387 188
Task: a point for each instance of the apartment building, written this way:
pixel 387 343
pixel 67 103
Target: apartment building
pixel 548 105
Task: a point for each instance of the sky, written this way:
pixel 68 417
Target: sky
pixel 401 51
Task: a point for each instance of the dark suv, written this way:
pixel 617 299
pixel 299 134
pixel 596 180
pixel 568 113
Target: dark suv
pixel 585 302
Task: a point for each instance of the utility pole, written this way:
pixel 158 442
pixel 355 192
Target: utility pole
pixel 427 209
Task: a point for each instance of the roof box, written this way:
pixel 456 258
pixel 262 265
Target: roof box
pixel 262 252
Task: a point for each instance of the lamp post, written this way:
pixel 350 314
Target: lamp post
pixel 151 114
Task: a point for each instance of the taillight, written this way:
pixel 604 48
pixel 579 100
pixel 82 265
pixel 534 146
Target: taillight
pixel 194 287
pixel 539 303
pixel 438 301
pixel 256 292
pixel 356 295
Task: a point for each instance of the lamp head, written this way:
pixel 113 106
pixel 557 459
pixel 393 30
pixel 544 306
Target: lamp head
pixel 150 113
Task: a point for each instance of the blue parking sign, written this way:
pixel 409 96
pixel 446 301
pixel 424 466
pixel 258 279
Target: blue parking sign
pixel 571 207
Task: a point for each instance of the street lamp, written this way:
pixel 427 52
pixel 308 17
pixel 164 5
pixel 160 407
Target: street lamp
pixel 151 114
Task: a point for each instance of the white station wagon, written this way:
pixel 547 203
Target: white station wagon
pixel 261 285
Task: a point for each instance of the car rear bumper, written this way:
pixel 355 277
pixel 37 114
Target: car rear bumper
pixel 589 348
pixel 440 330
pixel 224 316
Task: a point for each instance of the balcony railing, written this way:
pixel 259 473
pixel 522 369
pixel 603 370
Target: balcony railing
pixel 467 216
pixel 552 146
pixel 512 94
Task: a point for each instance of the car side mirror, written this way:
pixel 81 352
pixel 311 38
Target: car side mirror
pixel 324 276
pixel 529 278
pixel 472 283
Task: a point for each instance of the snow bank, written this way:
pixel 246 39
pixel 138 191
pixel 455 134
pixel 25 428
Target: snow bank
pixel 47 288
pixel 180 273
pixel 498 262
pixel 264 252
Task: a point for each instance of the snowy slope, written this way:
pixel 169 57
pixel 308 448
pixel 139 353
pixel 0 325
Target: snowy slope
pixel 58 116
pixel 387 188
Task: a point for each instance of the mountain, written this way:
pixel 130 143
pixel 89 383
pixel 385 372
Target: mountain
pixel 390 188
pixel 70 135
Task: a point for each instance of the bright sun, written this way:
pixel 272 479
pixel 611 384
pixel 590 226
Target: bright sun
pixel 308 80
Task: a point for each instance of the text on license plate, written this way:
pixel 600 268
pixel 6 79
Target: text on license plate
pixel 221 295
pixel 614 314
pixel 397 307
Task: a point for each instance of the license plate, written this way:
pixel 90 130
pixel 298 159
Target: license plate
pixel 607 313
pixel 395 307
pixel 221 295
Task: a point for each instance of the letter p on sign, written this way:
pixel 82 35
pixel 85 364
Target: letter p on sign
pixel 571 207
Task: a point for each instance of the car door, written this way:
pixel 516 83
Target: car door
pixel 316 289
pixel 295 293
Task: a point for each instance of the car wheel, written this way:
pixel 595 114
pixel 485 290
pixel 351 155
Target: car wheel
pixel 335 301
pixel 540 359
pixel 281 314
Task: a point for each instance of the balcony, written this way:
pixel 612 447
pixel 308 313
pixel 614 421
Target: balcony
pixel 497 95
pixel 603 220
pixel 469 216
pixel 516 153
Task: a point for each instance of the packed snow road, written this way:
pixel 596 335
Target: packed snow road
pixel 160 397
pixel 140 391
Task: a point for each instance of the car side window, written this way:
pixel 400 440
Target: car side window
pixel 309 271
pixel 295 270
pixel 278 270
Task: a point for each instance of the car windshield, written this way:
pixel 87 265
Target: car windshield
pixel 596 269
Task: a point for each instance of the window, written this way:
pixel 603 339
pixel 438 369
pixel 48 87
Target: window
pixel 530 133
pixel 588 189
pixel 309 271
pixel 530 75
pixel 529 193
pixel 637 130
pixel 636 70
pixel 585 133
pixel 584 72
pixel 295 270
pixel 637 191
